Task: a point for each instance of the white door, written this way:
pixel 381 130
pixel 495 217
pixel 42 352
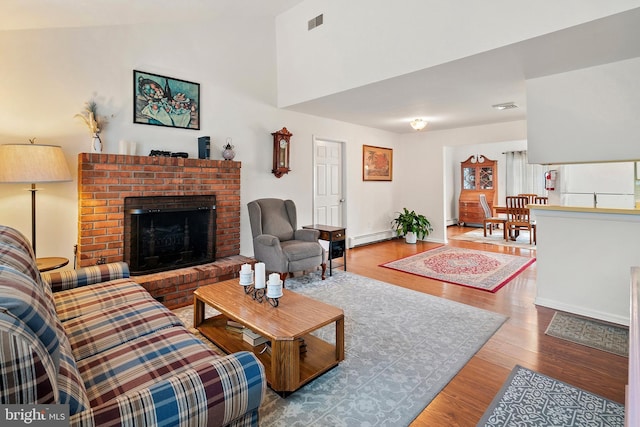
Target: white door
pixel 328 200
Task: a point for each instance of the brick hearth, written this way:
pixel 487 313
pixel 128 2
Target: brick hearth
pixel 104 180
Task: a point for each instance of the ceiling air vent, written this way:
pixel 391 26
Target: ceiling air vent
pixel 315 22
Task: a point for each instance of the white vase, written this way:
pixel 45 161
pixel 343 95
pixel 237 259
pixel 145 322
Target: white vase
pixel 411 237
pixel 96 143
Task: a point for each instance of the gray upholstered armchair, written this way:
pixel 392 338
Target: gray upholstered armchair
pixel 278 243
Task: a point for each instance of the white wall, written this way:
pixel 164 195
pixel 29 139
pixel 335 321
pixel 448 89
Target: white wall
pixel 47 75
pixel 584 261
pixel 424 178
pixel 588 115
pixel 364 41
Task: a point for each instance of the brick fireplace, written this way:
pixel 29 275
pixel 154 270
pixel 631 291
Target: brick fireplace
pixel 104 180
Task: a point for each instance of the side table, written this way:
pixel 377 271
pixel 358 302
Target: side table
pixel 336 237
pixel 50 263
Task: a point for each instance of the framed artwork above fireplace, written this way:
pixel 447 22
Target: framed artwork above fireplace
pixel 165 101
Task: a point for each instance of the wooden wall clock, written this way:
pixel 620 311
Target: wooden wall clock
pixel 281 150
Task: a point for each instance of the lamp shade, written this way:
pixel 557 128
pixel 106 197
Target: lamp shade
pixel 31 163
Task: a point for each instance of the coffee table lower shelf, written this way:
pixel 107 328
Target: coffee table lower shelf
pixel 319 357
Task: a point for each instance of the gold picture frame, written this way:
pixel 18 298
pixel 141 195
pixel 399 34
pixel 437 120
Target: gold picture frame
pixel 377 163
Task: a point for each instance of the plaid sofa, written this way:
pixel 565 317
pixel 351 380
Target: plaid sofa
pixel 98 342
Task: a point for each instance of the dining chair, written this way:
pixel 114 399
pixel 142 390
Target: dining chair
pixel 489 219
pixel 541 200
pixel 518 218
pixel 530 197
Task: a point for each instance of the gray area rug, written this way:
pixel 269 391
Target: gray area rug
pixel 402 348
pixel 531 399
pixel 590 332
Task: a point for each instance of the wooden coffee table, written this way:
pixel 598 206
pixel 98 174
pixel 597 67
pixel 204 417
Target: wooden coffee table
pixel 296 316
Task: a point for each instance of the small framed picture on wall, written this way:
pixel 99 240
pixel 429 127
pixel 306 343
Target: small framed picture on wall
pixel 377 163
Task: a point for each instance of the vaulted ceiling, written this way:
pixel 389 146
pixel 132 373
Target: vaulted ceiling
pixel 455 94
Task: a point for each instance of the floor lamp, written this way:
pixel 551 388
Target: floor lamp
pixel 32 164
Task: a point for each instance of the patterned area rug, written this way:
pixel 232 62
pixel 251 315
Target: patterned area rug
pixel 394 365
pixel 496 238
pixel 590 332
pixel 532 399
pixel 488 271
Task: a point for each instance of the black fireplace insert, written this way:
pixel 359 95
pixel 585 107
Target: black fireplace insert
pixel 169 232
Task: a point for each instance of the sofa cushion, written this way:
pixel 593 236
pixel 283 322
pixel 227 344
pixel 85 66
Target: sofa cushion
pixel 14 255
pixel 102 330
pixel 223 391
pixel 141 362
pixel 70 384
pixel 27 371
pixel 24 299
pixel 76 302
pixel 296 250
pixel 13 236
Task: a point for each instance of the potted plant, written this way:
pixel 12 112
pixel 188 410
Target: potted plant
pixel 411 225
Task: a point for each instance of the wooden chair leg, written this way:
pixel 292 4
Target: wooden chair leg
pixel 324 270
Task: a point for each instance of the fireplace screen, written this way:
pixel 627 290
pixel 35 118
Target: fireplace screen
pixel 169 232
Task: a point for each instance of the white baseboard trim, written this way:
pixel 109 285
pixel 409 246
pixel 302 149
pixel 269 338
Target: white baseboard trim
pixel 442 242
pixel 365 239
pixel 379 236
pixel 583 311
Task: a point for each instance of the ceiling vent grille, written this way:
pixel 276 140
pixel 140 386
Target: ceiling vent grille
pixel 315 22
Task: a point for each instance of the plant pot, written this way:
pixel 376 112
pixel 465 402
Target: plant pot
pixel 411 237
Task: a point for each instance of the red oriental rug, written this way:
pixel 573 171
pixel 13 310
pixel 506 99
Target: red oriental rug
pixel 487 271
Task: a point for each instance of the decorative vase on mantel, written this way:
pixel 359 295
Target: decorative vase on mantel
pixel 96 143
pixel 228 153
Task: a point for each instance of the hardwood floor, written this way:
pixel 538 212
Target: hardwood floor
pixel 521 339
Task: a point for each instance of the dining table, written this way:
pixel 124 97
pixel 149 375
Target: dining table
pixel 497 209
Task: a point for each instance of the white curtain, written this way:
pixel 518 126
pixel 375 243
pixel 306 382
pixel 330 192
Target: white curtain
pixel 523 177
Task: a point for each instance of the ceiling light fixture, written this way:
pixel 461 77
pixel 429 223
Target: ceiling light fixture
pixel 418 124
pixel 505 106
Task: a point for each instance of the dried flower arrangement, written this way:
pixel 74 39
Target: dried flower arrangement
pixel 90 117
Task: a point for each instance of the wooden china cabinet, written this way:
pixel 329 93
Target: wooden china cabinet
pixel 479 176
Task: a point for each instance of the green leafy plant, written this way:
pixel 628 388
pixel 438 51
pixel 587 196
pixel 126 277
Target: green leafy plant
pixel 409 221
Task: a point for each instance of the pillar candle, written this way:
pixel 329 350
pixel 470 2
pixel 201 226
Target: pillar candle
pixel 260 275
pixel 274 288
pixel 246 268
